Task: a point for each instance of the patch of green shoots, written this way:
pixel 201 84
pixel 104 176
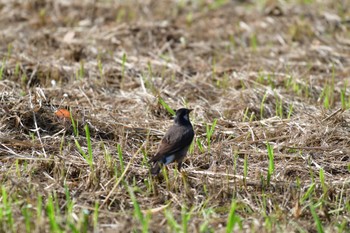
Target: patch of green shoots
pixel 343 226
pixel 100 68
pixel 39 210
pixel 200 145
pixel 271 168
pixel 322 180
pixel 42 16
pixel 166 177
pixel 184 181
pixel 305 91
pixel 279 108
pixel 88 157
pixel 149 80
pixel 233 219
pixel 2 68
pixel 207 215
pixel 316 219
pixel 74 124
pixel 243 85
pixel 73 227
pixel 27 217
pixel 50 209
pixel 121 158
pixel 149 186
pixel 189 19
pixel 261 78
pixel 345 102
pixel 232 41
pixel 95 217
pixel 121 13
pixel 32 136
pixel 308 193
pixel 17 69
pixel 340 199
pixel 268 220
pixel 327 93
pixel 145 156
pixel 306 2
pixel 88 141
pixel 185 217
pixel 297 182
pixel 144 220
pixel 210 132
pixel 254 42
pixel 217 4
pixel 223 82
pixel 245 115
pixel 344 105
pixel 81 71
pixel 235 158
pixel 108 158
pixel 290 111
pixel 166 106
pixel 174 226
pixel 181 4
pixel 9 50
pixel 292 84
pixel 6 214
pixel 24 79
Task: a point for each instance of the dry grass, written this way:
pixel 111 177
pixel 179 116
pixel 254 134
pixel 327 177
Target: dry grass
pixel 268 71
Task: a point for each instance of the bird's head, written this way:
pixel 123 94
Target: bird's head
pixel 182 116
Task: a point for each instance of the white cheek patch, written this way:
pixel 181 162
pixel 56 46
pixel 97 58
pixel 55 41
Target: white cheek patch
pixel 168 159
pixel 186 117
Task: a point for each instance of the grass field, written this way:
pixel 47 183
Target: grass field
pixel 269 85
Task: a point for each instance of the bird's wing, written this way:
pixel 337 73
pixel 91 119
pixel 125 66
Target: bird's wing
pixel 173 142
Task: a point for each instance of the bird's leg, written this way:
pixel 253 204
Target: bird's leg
pixel 156 167
pixel 179 165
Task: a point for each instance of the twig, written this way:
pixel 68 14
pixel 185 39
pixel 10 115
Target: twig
pixel 333 114
pixel 36 124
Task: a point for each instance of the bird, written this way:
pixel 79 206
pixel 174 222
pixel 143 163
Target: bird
pixel 175 143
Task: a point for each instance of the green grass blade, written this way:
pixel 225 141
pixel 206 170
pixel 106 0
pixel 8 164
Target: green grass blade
pixel 172 222
pixel 88 141
pixel 166 106
pixel 233 218
pixel 308 193
pixel 316 219
pixel 271 168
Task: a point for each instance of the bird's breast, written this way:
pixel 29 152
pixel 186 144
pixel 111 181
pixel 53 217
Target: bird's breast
pixel 168 159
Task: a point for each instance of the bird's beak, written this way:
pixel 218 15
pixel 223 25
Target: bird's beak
pixel 190 110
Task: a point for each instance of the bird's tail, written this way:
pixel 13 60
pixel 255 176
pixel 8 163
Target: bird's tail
pixel 155 168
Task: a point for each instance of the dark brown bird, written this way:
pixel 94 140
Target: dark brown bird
pixel 175 143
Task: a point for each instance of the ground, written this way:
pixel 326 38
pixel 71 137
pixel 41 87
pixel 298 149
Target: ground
pixel 86 93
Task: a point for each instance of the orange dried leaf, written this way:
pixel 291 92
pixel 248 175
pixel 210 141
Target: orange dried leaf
pixel 62 113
